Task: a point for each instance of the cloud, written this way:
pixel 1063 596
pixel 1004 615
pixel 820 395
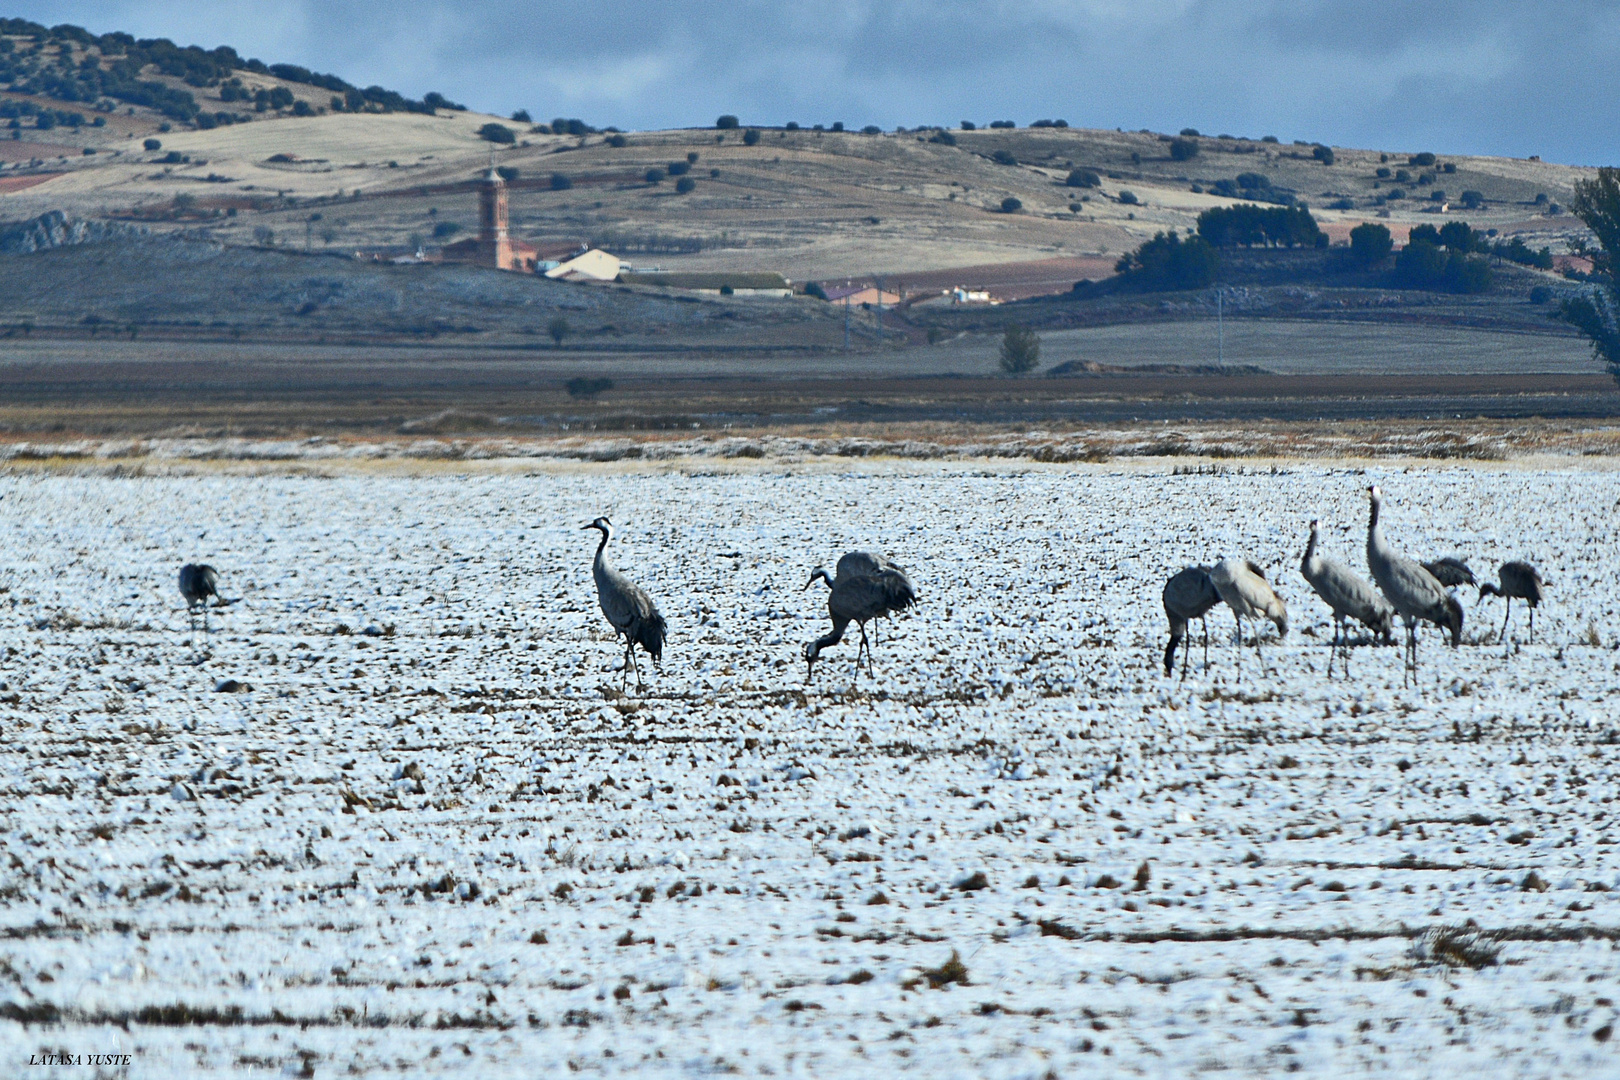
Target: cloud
pixel 1455 76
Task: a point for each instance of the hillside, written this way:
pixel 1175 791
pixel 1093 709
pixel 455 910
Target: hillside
pixel 262 153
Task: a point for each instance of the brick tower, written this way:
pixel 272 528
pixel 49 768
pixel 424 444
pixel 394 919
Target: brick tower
pixel 494 246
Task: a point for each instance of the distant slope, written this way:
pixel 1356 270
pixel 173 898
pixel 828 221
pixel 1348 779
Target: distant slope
pixel 191 289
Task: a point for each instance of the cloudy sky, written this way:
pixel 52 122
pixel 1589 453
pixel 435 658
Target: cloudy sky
pixel 1453 76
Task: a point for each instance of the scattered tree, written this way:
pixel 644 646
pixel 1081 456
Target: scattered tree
pixel 751 137
pixel 1020 349
pixel 685 185
pixel 1370 244
pixel 678 168
pixel 1083 178
pixel 522 116
pixel 1183 149
pixel 1126 197
pixel 871 129
pixel 497 133
pixel 558 328
pixel 1324 154
pixel 1460 236
pixel 1010 205
pixel 1169 263
pixel 508 173
pixel 727 123
pixel 1423 160
pixel 1472 200
pixel 968 125
pixel 1004 157
pixel 618 141
pixel 561 182
pixel 1191 133
pixel 655 176
pixel 584 387
pixel 1597 313
pixel 152 144
pixel 1540 294
pixel 813 288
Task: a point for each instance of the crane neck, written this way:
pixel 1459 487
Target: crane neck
pixel 602 547
pixel 1310 548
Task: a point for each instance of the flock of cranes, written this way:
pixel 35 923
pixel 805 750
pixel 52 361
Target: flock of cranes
pixel 1418 592
pixel 868 586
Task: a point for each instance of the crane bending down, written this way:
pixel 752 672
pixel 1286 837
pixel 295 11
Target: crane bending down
pixel 1414 593
pixel 199 581
pixel 1450 571
pixel 627 606
pixel 1519 580
pixel 1188 595
pixel 1348 594
pixel 867 587
pixel 1243 586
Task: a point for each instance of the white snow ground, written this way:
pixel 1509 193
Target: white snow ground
pixel 736 873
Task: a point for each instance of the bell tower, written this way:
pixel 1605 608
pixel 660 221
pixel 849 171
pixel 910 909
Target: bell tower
pixel 494 246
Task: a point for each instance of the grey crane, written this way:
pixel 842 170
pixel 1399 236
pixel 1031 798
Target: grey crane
pixel 199 581
pixel 627 607
pixel 1188 595
pixel 1243 586
pixel 868 586
pixel 1450 571
pixel 1519 580
pixel 1348 594
pixel 1414 593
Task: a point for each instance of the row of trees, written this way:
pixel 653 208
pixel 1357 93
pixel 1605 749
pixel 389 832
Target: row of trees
pixel 1247 225
pixel 125 56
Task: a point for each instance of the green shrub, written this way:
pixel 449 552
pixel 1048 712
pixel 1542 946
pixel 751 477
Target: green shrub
pixel 685 185
pixel 813 288
pixel 727 123
pixel 678 168
pixel 1127 197
pixel 1382 173
pixel 1254 180
pixel 871 129
pixel 584 387
pixel 1324 154
pixel 508 173
pixel 1010 205
pixel 751 137
pixel 1248 225
pixel 968 125
pixel 1540 294
pixel 1423 160
pixel 1004 157
pixel 1423 234
pixel 1460 236
pixel 654 176
pixel 1003 124
pixel 1183 149
pixel 1167 262
pixel 560 182
pixel 1467 273
pixel 1083 178
pixel 497 133
pixel 152 144
pixel 1191 133
pixel 1473 200
pixel 444 229
pixel 1020 349
pixel 618 141
pixel 558 328
pixel 1420 265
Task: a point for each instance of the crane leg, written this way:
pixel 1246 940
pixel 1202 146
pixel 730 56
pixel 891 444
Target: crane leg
pixel 1205 624
pixel 1508 602
pixel 867 645
pixel 1532 621
pixel 1239 619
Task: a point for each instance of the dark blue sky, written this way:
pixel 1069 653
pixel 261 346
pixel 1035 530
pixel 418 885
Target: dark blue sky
pixel 1484 76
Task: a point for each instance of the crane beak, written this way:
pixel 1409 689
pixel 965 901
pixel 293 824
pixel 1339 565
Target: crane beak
pixel 809 583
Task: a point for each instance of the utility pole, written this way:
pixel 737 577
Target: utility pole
pixel 1220 326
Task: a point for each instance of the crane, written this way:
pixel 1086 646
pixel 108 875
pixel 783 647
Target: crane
pixel 1348 594
pixel 1188 595
pixel 1243 586
pixel 868 586
pixel 627 607
pixel 1414 593
pixel 1519 580
pixel 199 581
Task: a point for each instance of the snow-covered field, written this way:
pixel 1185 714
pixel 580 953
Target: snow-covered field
pixel 426 835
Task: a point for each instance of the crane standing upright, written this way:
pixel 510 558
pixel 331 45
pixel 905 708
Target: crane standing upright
pixel 627 606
